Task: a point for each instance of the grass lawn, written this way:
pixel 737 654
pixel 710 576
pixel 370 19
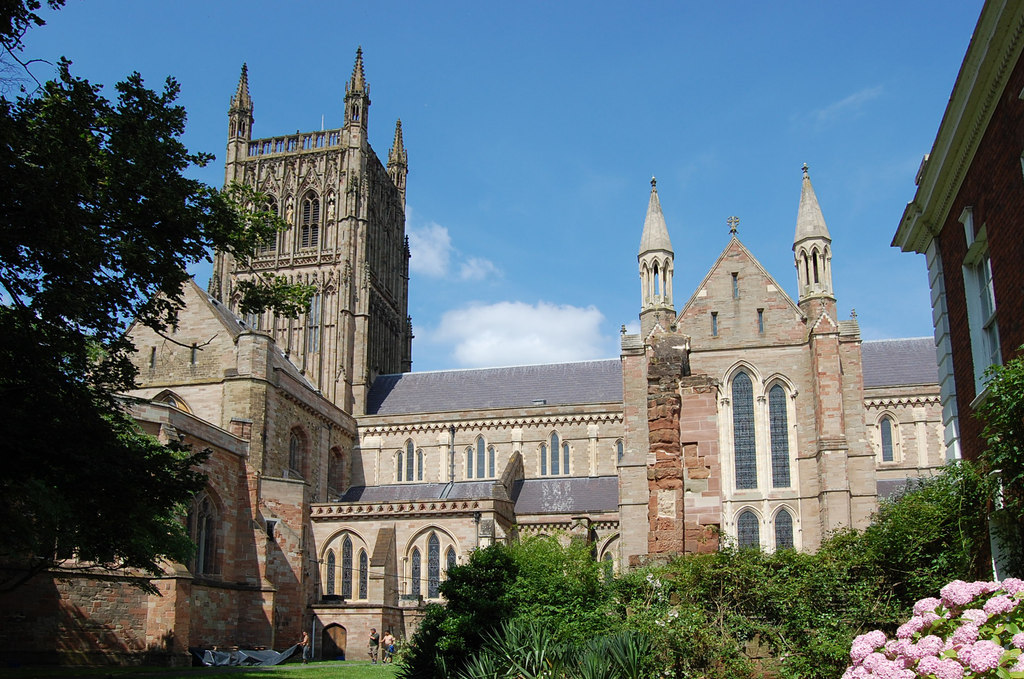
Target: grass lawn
pixel 314 670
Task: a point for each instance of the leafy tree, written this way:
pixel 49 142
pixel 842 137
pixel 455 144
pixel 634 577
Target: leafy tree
pixel 98 223
pixel 1002 412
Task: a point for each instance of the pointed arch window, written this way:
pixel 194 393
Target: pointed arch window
pixel 748 530
pixel 346 568
pixel 204 533
pixel 814 264
pixel 778 421
pixel 313 325
pixel 415 573
pixel 433 566
pixel 270 244
pixel 481 457
pixel 784 530
pixel 329 589
pixel 888 449
pixel 619 451
pixel 490 461
pixel 744 443
pixel 409 456
pixel 309 231
pixel 419 465
pixel 469 463
pixel 364 573
pixel 296 448
pixel 449 558
pixel 398 466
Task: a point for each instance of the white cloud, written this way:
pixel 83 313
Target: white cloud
pixel 430 249
pixel 850 105
pixel 516 333
pixel 477 269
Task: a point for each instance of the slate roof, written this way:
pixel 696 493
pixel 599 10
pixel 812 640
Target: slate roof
pixel 566 495
pixel 897 362
pixel 516 386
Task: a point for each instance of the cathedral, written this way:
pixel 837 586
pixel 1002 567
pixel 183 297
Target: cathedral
pixel 342 486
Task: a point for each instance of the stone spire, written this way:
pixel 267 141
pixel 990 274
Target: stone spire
pixel 398 160
pixel 357 101
pixel 655 234
pixel 656 261
pixel 810 223
pixel 812 251
pixel 241 101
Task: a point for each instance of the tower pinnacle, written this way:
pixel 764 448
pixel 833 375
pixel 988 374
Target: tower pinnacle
pixel 812 249
pixel 241 100
pixel 357 83
pixel 398 160
pixel 656 261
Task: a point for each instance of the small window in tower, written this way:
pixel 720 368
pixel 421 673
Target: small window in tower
pixel 714 324
pixel 814 263
pixel 760 320
pixel 152 357
pixel 735 285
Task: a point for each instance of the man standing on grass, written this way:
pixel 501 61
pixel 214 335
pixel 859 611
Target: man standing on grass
pixel 374 644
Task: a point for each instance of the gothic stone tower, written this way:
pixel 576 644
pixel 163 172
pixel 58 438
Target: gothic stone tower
pixel 346 235
pixel 744 414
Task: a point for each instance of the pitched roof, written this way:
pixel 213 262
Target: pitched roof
pixel 566 495
pixel 512 387
pixel 898 362
pixel 409 492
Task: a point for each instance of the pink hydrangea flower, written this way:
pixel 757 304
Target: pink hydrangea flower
pixel 1012 585
pixel 929 645
pixel 957 594
pixel 985 655
pixel 975 615
pixel 949 669
pixel 998 605
pixel 1018 641
pixel 911 626
pixel 1019 665
pixel 929 665
pixel 965 635
pixel 897 647
pixel 930 617
pixel 873 660
pixel 926 605
pixel 963 654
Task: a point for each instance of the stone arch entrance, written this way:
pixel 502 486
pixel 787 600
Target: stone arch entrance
pixel 332 642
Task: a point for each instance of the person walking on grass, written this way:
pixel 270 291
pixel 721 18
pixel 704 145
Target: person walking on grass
pixel 374 644
pixel 305 647
pixel 388 652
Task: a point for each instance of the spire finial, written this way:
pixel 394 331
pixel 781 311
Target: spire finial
pixel 806 176
pixel 654 182
pixel 733 222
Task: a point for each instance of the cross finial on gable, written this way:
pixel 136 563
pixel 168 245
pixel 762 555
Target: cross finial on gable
pixel 733 222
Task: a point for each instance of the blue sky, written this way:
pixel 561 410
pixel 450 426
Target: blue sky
pixel 533 129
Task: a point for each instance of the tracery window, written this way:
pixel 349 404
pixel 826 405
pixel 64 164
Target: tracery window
pixel 744 444
pixel 309 230
pixel 783 530
pixel 433 566
pixel 363 573
pixel 484 460
pixel 269 245
pixel 346 568
pixel 748 530
pixel 414 588
pixel 779 429
pixel 330 571
pixel 888 450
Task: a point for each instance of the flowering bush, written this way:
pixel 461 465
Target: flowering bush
pixel 975 630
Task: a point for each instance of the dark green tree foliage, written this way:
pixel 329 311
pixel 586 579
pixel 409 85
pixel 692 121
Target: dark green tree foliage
pixel 1002 412
pixel 97 225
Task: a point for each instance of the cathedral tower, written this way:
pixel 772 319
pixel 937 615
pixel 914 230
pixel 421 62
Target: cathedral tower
pixel 656 266
pixel 345 216
pixel 812 251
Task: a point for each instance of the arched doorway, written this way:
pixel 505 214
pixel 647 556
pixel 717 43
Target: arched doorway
pixel 332 646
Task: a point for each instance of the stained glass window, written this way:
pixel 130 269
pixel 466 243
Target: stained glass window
pixel 619 452
pixel 744 445
pixel 330 571
pixel 364 573
pixel 433 566
pixel 554 455
pixel 543 460
pixel 779 426
pixel 295 452
pixel 346 568
pixel 414 588
pixel 419 465
pixel 398 466
pixel 565 458
pixel 469 463
pixel 784 530
pixel 310 229
pixel 480 458
pixel 449 557
pixel 313 325
pixel 409 452
pixel 887 450
pixel 748 531
pixel 490 461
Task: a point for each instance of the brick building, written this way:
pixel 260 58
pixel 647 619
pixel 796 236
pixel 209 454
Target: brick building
pixel 966 219
pixel 341 487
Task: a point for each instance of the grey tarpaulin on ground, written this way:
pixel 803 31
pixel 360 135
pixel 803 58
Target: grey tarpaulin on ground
pixel 241 657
